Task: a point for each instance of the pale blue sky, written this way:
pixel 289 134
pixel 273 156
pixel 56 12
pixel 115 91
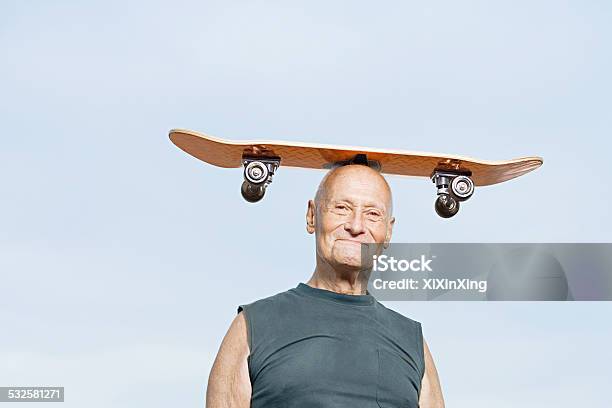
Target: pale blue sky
pixel 123 259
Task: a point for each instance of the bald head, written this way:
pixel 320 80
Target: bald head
pixel 356 176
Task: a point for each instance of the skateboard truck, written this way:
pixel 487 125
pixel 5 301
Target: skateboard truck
pixel 453 187
pixel 258 174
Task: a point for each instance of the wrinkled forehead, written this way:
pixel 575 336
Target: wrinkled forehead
pixel 356 184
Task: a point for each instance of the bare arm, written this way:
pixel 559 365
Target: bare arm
pixel 229 385
pixel 431 392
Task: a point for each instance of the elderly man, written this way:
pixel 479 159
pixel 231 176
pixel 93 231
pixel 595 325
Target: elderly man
pixel 329 343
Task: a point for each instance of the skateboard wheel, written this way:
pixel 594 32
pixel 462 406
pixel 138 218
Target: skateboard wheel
pixel 446 206
pixel 252 193
pixel 462 187
pixel 256 172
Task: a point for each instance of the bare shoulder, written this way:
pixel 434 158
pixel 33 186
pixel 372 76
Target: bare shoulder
pixel 234 348
pixel 229 382
pixel 237 334
pixel 431 391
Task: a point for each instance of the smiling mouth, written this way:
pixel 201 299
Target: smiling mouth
pixel 351 240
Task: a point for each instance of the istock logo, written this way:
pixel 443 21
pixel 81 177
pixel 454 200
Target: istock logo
pixel 383 263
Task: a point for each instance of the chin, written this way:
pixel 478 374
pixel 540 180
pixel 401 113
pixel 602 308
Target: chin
pixel 348 259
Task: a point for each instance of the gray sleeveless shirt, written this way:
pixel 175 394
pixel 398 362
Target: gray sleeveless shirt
pixel 312 348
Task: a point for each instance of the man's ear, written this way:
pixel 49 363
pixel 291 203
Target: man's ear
pixel 310 217
pixel 389 232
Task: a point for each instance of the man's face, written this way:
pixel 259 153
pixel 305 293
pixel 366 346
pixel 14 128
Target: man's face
pixel 353 207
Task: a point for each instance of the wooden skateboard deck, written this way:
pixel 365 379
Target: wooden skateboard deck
pixel 229 154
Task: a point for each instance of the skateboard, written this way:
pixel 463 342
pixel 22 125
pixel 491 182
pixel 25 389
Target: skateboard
pixel 454 176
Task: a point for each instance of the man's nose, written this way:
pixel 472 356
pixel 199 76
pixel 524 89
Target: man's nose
pixel 355 224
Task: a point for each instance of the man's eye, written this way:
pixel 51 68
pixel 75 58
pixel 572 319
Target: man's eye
pixel 374 215
pixel 341 209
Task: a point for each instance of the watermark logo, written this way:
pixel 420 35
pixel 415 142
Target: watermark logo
pixel 384 263
pixel 480 271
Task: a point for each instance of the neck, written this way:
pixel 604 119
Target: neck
pixel 345 281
